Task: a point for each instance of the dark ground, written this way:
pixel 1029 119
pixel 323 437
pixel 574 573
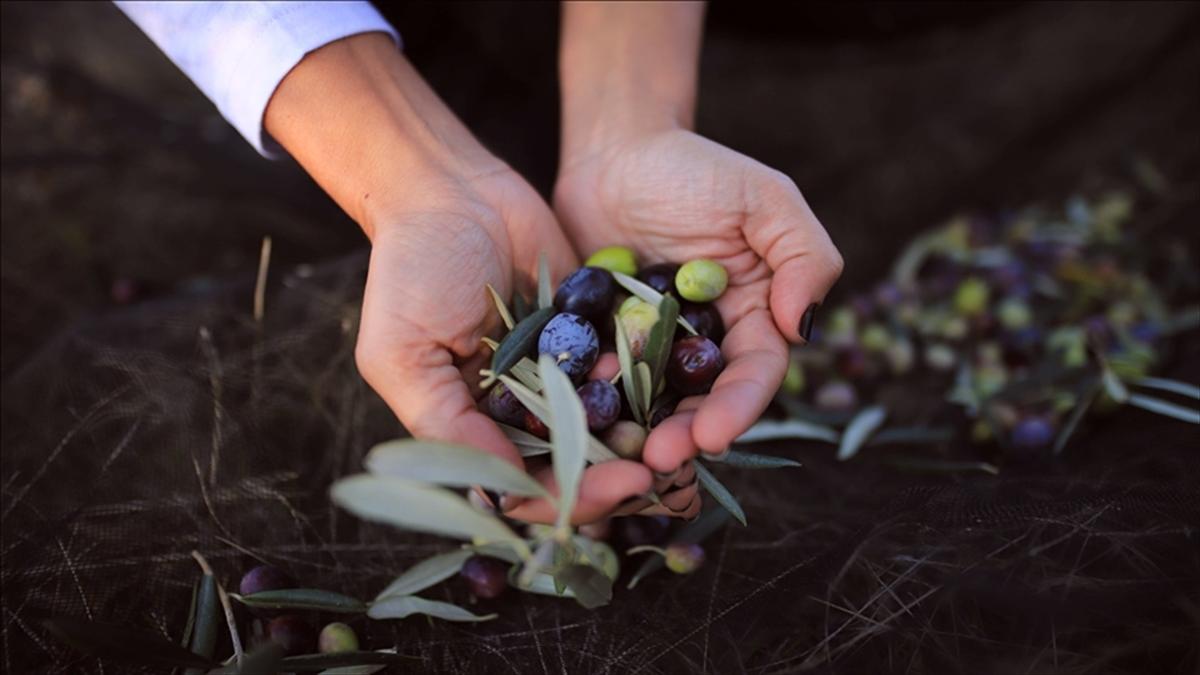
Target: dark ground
pixel 135 433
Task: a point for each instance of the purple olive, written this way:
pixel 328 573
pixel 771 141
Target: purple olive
pixel 694 365
pixel 836 396
pixel 602 403
pixel 292 633
pixel 487 577
pixel 1033 433
pixel 264 578
pixel 588 292
pixel 572 341
pixel 705 318
pixel 660 277
pixel 504 407
pixel 664 407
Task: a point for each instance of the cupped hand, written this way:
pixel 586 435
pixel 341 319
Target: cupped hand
pixel 672 195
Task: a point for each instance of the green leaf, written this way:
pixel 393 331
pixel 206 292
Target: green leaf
pixel 525 370
pixel 542 583
pixel 205 619
pixel 1080 409
pixel 545 293
pixel 568 434
pixel 692 533
pixel 125 643
pixel 629 379
pixel 645 385
pixel 303 598
pixel 501 551
pixel 658 345
pixel 520 341
pixel 1162 407
pixel 308 663
pixel 416 506
pixel 1184 389
pixel 527 443
pixel 401 606
pixel 859 430
pixel 770 431
pixel 364 669
pixel 426 573
pixel 1114 386
pixel 648 294
pixel 450 464
pixel 940 465
pixel 505 316
pixel 599 555
pixel 596 451
pixel 265 659
pixel 750 460
pixel 917 435
pixel 720 493
pixel 591 587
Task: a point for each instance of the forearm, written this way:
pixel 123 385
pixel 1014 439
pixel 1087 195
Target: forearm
pixel 627 67
pixel 360 119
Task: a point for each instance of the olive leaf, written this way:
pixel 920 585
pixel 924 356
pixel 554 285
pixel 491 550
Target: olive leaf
pixel 648 294
pixel 544 292
pixel 645 385
pixel 1114 386
pixel 527 443
pixel 629 380
pixel 426 573
pixel 417 506
pixel 401 606
pixel 343 663
pixel 450 464
pixel 267 658
pixel 658 345
pixel 500 551
pixel 1184 389
pixel 126 643
pixel 1077 413
pixel 1165 408
pixel 719 492
pixel 692 533
pixel 505 316
pixel 521 307
pixel 542 583
pixel 568 435
pixel 917 435
pixel 591 587
pixel 303 598
pixel 599 555
pixel 520 340
pixel 204 624
pixel 946 465
pixel 364 669
pixel 525 370
pixel 859 430
pixel 597 452
pixel 750 460
pixel 770 431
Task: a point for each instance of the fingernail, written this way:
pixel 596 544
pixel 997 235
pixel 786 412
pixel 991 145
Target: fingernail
pixel 670 475
pixel 719 456
pixel 806 321
pixel 493 497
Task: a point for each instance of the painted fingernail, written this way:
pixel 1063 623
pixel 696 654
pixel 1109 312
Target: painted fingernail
pixel 806 321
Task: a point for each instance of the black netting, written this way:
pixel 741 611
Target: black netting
pixel 135 434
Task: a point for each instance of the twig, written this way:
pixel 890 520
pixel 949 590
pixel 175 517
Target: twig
pixel 233 634
pixel 260 284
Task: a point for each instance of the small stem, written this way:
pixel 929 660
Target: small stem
pixel 233 634
pixel 645 548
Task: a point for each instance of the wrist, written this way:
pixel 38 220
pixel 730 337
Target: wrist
pixel 364 124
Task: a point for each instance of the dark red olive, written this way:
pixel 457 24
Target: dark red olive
pixel 504 407
pixel 588 292
pixel 264 578
pixel 602 402
pixel 292 633
pixel 852 362
pixel 660 277
pixel 487 577
pixel 664 407
pixel 705 318
pixel 694 364
pixel 535 426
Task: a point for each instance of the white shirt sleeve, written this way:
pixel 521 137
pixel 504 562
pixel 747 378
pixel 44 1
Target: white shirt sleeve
pixel 238 52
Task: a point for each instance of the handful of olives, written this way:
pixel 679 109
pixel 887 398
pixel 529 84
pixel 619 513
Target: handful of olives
pixel 660 319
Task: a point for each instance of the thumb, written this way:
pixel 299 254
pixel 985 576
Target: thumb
pixel 783 231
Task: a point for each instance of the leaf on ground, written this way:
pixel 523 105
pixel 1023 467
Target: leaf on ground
pixel 592 588
pixel 750 460
pixel 401 606
pixel 770 431
pixel 859 431
pixel 1184 389
pixel 1164 408
pixel 426 573
pixel 303 598
pixel 125 643
pixel 720 493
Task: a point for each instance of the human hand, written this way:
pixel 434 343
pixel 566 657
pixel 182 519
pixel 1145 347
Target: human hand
pixel 445 218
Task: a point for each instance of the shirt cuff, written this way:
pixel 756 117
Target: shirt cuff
pixel 237 53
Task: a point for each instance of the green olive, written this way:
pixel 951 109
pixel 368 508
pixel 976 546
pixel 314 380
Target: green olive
pixel 337 637
pixel 971 297
pixel 626 439
pixel 638 320
pixel 701 280
pixel 614 259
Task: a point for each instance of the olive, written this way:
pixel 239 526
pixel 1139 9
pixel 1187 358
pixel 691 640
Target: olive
pixel 660 277
pixel 836 396
pixel 292 633
pixel 705 318
pixel 626 438
pixel 534 425
pixel 486 577
pixel 588 292
pixel 971 297
pixel 1014 313
pixel 638 319
pixel 573 343
pixel 1032 433
pixel 684 558
pixel 337 637
pixel 694 365
pixel 504 407
pixel 633 531
pixel 601 402
pixel 264 578
pixel 701 280
pixel 614 259
pixel 852 363
pixel 793 379
pixel 664 407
